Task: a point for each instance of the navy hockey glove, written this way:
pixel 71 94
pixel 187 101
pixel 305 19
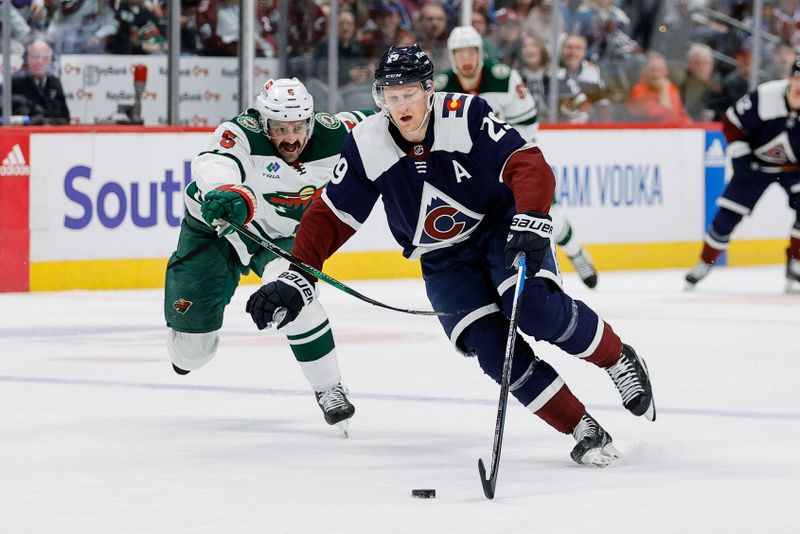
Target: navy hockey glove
pixel 235 203
pixel 529 233
pixel 280 301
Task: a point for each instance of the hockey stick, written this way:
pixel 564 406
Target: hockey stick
pixel 278 251
pixel 489 483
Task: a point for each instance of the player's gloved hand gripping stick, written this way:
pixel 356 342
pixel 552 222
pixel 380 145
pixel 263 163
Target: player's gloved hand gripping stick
pixel 490 482
pixel 277 314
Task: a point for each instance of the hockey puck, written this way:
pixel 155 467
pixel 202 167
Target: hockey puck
pixel 423 493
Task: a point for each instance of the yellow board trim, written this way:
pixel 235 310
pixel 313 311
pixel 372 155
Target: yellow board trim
pixel 149 273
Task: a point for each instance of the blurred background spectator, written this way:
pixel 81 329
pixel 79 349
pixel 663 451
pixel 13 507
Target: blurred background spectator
pixel 655 98
pixel 35 91
pixel 432 34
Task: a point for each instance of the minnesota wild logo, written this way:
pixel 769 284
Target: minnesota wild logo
pixel 182 305
pixel 293 205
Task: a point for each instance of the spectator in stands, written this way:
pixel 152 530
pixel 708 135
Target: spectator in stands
pixel 432 34
pixel 190 37
pixel 218 27
pixel 138 31
pixel 587 76
pixel 508 36
pixel 82 26
pixel 700 84
pixel 35 91
pixel 540 20
pixel 387 26
pixel 606 28
pixel 734 85
pixel 33 12
pixel 533 65
pixel 480 21
pixel 783 57
pixel 307 25
pixel 352 66
pixel 655 98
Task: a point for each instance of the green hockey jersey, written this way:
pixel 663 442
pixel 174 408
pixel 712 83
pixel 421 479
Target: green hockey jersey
pixel 241 153
pixel 502 87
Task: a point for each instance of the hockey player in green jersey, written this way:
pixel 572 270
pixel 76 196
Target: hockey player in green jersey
pixel 502 87
pixel 262 169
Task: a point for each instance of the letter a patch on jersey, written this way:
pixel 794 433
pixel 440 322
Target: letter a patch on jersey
pixel 442 220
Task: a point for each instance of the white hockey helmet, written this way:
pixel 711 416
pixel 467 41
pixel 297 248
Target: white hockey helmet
pixel 285 99
pixel 464 37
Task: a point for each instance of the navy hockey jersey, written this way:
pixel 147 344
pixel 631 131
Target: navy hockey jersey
pixel 435 193
pixel 761 124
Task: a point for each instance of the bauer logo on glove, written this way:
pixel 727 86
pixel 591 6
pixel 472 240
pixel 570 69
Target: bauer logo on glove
pixel 529 233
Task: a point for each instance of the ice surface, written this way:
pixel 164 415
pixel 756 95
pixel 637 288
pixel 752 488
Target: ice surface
pixel 97 434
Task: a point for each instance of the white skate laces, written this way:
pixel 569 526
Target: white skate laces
pixel 333 399
pixel 633 383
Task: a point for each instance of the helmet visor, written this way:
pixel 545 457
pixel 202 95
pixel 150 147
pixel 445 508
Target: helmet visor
pixel 391 97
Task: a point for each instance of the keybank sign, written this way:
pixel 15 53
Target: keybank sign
pixel 143 203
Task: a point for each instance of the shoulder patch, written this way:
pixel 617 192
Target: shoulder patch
pixel 501 71
pixel 328 120
pixel 249 123
pixel 440 81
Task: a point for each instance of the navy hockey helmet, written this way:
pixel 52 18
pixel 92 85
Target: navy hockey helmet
pixel 796 67
pixel 401 65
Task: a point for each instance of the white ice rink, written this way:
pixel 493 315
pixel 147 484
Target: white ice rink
pixel 98 435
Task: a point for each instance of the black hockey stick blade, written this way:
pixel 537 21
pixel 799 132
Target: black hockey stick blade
pixel 488 483
pixel 278 251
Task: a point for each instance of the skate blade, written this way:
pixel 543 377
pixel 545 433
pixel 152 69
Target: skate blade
pixel 601 457
pixel 344 428
pixel 650 414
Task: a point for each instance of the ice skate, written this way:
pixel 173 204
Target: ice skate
pixel 336 408
pixel 697 273
pixel 633 383
pixel 594 445
pixel 792 275
pixel 585 268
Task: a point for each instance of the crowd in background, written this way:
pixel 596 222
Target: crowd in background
pixel 619 60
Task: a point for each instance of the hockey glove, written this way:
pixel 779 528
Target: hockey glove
pixel 529 233
pixel 280 301
pixel 235 203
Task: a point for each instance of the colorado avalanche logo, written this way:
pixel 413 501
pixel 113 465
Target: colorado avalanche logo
pixel 442 220
pixel 776 154
pixel 777 150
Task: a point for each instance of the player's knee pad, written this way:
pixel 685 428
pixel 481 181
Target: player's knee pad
pixel 724 223
pixel 487 338
pixel 546 309
pixel 190 351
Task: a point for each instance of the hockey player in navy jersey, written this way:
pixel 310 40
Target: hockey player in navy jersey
pixel 764 147
pixel 464 193
pixel 502 87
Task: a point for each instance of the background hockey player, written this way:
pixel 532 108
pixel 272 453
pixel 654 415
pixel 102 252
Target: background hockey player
pixel 502 87
pixel 263 168
pixel 454 178
pixel 763 145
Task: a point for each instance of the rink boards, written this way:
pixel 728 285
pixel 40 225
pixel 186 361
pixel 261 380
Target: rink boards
pixel 101 208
